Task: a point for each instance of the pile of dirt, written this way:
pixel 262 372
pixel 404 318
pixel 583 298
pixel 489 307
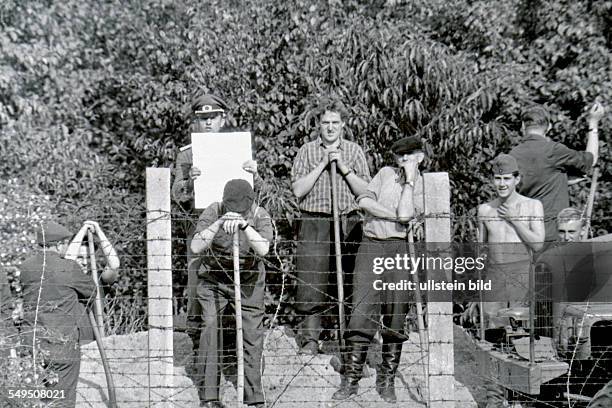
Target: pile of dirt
pixel 290 380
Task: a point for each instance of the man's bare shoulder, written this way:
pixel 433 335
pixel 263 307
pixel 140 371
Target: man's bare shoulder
pixel 531 203
pixel 489 207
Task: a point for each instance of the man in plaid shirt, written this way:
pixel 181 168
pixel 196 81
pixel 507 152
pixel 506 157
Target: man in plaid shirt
pixel 311 183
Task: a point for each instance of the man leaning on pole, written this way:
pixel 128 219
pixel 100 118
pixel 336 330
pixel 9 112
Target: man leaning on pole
pixel 213 241
pixel 311 184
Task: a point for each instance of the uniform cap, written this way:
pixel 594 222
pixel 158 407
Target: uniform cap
pixel 53 232
pixel 407 145
pixel 208 103
pixel 504 164
pixel 238 196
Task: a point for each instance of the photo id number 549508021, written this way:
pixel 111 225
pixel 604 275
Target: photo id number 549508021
pixel 35 393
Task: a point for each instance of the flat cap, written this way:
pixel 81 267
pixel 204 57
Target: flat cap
pixel 407 145
pixel 504 164
pixel 52 232
pixel 208 103
pixel 238 196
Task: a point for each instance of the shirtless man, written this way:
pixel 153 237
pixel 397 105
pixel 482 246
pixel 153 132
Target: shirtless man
pixel 512 225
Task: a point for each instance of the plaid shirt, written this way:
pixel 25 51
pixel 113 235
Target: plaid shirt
pixel 319 198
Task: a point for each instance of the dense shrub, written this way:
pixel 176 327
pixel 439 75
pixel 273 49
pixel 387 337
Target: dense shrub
pixel 91 93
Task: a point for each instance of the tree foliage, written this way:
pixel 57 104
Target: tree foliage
pixel 93 92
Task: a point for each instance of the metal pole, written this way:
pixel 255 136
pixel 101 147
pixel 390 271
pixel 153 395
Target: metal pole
pixel 339 275
pixel 107 371
pixel 588 210
pixel 238 307
pixel 419 307
pixel 480 296
pixel 94 275
pixel 532 300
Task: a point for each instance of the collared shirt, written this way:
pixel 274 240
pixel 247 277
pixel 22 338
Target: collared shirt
pixel 319 198
pixel 543 165
pixel 386 188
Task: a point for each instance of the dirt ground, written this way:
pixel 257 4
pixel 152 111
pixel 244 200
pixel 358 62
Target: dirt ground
pixel 291 380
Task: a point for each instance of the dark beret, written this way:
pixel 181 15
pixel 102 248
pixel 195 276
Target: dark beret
pixel 52 232
pixel 207 103
pixel 407 145
pixel 238 196
pixel 504 164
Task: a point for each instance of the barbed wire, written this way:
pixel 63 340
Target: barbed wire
pixel 281 263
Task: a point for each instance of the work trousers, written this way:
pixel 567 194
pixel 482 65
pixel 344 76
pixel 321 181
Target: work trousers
pixel 214 298
pixel 316 266
pixel 194 310
pixel 63 359
pixel 375 310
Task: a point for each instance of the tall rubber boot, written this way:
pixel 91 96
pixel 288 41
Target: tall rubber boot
pixel 353 361
pixel 385 377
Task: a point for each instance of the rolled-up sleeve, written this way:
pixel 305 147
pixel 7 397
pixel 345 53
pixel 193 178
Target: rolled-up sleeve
pixel 207 218
pixel 360 165
pixel 263 225
pixel 373 190
pixel 564 158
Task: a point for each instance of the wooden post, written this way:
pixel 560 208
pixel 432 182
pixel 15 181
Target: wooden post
pixel 159 285
pixel 439 314
pixel 338 254
pixel 238 307
pixel 94 275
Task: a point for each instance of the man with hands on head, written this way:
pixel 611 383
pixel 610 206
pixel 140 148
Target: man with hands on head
pixel 392 201
pixel 78 250
pixel 311 184
pixel 213 241
pixel 207 114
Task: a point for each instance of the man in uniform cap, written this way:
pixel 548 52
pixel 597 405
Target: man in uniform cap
pixel 57 306
pixel 392 201
pixel 512 226
pixel 207 113
pixel 544 164
pixel 213 241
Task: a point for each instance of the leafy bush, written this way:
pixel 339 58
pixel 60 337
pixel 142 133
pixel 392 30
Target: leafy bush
pixel 91 93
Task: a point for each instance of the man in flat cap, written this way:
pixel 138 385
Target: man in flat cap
pixel 512 226
pixel 54 311
pixel 311 184
pixel 207 114
pixel 215 291
pixel 392 201
pixel 544 164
